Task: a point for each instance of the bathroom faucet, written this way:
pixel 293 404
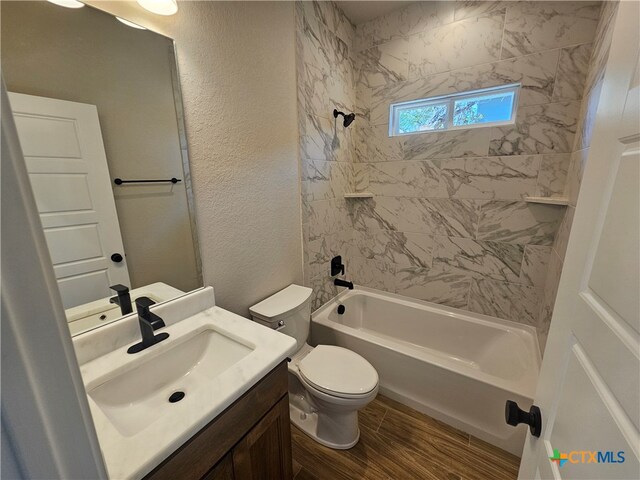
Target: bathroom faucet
pixel 149 322
pixel 123 299
pixel 343 283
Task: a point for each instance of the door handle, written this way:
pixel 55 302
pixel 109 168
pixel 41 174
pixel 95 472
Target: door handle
pixel 514 415
pixel 116 257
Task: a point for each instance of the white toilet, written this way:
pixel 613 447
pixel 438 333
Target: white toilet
pixel 327 384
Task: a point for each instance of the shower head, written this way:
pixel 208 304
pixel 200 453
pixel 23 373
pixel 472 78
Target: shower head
pixel 348 118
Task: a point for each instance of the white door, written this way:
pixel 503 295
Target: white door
pixel 589 387
pixel 62 146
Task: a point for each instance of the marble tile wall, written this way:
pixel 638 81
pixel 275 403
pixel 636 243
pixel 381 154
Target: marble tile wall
pixel 577 161
pixel 325 79
pixel 448 222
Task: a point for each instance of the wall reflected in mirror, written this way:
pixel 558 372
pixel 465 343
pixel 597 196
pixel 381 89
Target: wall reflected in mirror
pixel 96 100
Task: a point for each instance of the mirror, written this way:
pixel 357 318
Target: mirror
pixel 98 109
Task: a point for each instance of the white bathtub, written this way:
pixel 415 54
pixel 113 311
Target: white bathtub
pixel 456 366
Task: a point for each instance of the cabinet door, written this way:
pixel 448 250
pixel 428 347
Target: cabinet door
pixel 223 470
pixel 265 452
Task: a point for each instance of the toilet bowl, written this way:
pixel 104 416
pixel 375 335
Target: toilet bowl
pixel 327 384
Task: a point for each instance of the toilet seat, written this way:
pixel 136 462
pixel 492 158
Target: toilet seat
pixel 338 372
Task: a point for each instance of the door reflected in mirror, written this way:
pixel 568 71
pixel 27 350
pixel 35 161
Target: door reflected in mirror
pixel 98 109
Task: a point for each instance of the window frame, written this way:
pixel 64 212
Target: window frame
pixel 449 101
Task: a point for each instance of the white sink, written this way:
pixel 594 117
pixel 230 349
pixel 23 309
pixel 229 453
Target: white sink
pixel 138 397
pixel 211 355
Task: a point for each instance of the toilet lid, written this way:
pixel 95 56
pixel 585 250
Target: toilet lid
pixel 338 370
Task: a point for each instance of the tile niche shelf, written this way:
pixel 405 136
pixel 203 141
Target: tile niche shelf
pixel 548 200
pixel 358 195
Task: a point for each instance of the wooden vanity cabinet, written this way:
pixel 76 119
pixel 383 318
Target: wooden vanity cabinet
pixel 250 440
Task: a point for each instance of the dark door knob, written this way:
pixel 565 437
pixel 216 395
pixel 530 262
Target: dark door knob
pixel 514 415
pixel 116 257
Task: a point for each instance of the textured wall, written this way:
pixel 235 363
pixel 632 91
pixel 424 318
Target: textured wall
pixel 237 72
pixel 448 222
pixel 593 84
pixel 85 56
pixel 324 57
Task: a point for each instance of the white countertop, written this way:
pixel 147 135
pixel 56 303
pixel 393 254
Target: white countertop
pixel 134 455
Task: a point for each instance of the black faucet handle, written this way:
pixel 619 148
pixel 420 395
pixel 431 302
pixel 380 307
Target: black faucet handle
pixel 337 267
pixel 143 304
pixel 122 299
pixel 119 288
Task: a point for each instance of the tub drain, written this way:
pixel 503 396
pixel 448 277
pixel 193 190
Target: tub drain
pixel 176 397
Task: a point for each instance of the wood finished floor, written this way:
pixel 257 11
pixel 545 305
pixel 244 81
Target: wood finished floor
pixel 398 443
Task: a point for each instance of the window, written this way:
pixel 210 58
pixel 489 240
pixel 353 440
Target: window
pixel 477 108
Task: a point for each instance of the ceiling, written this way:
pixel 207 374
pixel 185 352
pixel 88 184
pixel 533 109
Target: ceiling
pixel 365 10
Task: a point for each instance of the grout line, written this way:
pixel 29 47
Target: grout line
pixel 469 293
pixel 555 75
pixel 495 61
pixel 500 59
pixel 524 255
pixel 540 160
pixel 504 29
pixel 480 213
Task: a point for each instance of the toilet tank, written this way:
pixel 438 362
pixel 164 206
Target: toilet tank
pixel 288 311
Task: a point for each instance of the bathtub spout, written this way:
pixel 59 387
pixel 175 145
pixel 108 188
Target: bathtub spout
pixel 343 283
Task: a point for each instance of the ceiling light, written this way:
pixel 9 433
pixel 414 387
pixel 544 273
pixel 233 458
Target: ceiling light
pixel 130 24
pixel 68 3
pixel 160 7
